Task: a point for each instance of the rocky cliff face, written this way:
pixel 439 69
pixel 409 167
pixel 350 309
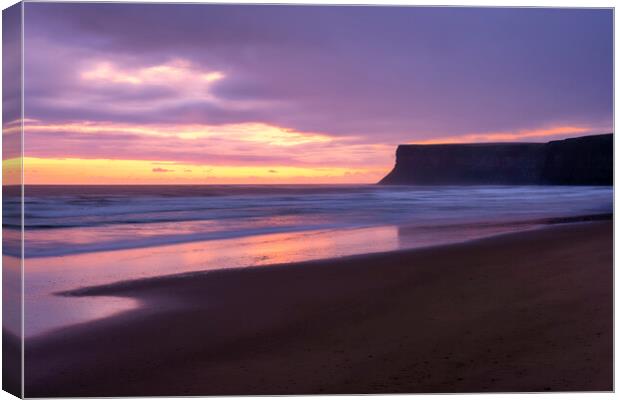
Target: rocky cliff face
pixel 586 160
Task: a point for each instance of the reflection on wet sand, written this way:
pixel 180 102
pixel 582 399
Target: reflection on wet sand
pixel 48 275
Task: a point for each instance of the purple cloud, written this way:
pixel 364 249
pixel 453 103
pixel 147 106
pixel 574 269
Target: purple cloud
pixel 382 75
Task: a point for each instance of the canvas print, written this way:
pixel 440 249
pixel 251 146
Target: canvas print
pixel 231 199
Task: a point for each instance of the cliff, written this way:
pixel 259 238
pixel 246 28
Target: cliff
pixel 586 160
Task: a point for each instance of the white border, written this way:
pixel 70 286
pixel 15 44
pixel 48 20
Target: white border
pixel 481 3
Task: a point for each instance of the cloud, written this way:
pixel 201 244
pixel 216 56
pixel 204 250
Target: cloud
pixel 241 144
pixel 179 76
pixel 542 133
pixel 397 73
pixel 159 169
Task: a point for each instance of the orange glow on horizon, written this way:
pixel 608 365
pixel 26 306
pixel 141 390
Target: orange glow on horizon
pixel 244 153
pixel 12 171
pixel 105 171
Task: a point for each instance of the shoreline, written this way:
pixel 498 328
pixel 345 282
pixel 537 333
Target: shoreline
pixel 532 223
pixel 521 312
pixel 87 270
pixel 546 223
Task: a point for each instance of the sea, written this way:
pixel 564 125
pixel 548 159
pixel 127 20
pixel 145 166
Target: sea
pixel 77 236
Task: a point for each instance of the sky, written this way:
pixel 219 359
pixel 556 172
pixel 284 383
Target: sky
pixel 210 94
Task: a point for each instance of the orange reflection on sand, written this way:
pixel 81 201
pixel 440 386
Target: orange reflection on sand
pixel 48 275
pixel 295 247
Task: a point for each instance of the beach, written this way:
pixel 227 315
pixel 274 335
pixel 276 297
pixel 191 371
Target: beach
pixel 527 311
pixel 281 199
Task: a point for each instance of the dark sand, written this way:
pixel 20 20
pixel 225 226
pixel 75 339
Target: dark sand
pixel 530 311
pixel 11 362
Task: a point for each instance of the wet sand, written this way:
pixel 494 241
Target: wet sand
pixel 529 311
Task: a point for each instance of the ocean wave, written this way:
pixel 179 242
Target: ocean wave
pixel 66 219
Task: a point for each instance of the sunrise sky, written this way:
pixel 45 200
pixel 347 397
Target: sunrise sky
pixel 121 93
